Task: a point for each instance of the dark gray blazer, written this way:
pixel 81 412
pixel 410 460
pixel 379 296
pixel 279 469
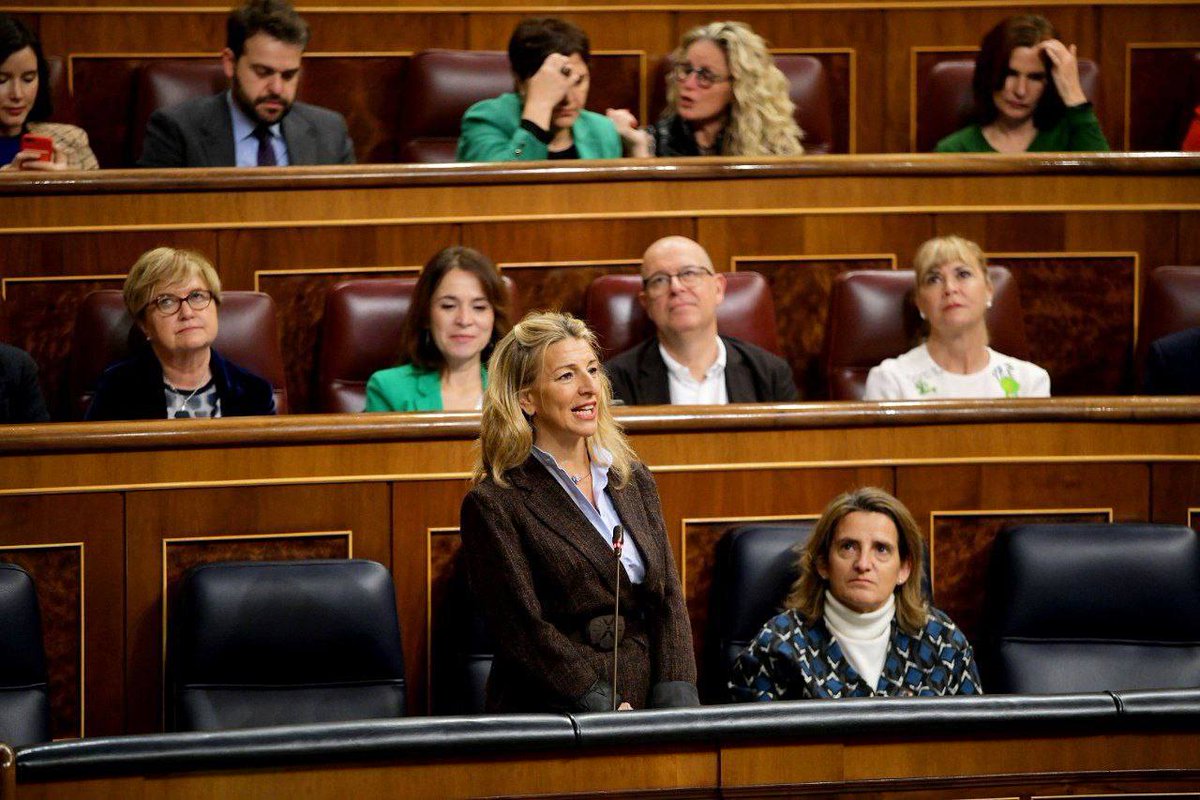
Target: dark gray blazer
pixel 752 375
pixel 20 395
pixel 1173 364
pixel 539 571
pixel 199 133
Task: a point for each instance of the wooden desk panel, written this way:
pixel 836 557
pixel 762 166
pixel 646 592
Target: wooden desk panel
pixel 156 496
pixel 891 768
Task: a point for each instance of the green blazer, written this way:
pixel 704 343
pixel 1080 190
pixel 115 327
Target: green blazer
pixel 408 388
pixel 491 131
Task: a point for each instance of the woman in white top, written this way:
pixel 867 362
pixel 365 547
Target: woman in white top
pixel 953 295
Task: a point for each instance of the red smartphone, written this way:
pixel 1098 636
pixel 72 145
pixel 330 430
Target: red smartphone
pixel 42 145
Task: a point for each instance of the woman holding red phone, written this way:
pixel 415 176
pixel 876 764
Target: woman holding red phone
pixel 27 141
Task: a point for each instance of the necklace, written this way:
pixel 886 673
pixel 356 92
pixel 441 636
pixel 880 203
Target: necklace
pixel 179 412
pixel 578 479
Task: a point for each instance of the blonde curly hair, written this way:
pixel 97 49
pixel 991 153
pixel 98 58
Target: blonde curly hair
pixel 761 121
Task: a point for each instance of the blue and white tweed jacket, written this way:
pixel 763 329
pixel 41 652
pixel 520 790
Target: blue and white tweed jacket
pixel 791 659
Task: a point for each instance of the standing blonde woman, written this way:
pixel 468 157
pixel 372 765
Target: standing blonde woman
pixel 726 97
pixel 555 477
pixel 953 295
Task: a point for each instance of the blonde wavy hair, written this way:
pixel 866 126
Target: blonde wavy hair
pixel 761 121
pixel 808 592
pixel 505 432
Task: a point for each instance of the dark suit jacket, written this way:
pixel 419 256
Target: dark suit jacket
pixel 752 375
pixel 20 395
pixel 199 133
pixel 539 571
pixel 133 389
pixel 1173 364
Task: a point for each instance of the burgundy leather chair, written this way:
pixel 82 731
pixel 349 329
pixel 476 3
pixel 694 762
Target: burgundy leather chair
pixel 945 101
pixel 441 85
pixel 1171 304
pixel 620 322
pixel 360 335
pixel 105 333
pixel 872 317
pixel 164 83
pixel 60 95
pixel 809 90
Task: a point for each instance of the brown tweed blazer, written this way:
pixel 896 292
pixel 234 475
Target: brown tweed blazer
pixel 539 571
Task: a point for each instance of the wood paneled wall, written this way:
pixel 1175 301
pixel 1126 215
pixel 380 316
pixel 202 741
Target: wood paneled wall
pixel 106 516
pixel 883 42
pixel 1079 234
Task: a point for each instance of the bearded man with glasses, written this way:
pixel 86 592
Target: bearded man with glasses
pixel 173 296
pixel 687 362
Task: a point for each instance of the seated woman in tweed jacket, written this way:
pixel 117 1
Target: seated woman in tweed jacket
pixel 856 623
pixel 25 104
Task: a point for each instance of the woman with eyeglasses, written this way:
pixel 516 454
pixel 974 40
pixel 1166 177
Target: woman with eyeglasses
pixel 544 117
pixel 172 296
pixel 725 97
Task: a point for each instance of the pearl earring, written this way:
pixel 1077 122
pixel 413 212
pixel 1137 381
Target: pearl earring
pixel 922 313
pixel 989 302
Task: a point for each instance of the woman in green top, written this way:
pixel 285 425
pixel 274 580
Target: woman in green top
pixel 1028 97
pixel 459 311
pixel 544 118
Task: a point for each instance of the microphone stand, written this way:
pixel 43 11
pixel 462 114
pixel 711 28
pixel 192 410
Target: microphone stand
pixel 618 543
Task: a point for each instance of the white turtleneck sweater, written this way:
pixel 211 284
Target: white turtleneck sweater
pixel 863 637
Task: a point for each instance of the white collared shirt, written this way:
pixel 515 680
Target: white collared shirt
pixel 245 145
pixel 687 391
pixel 603 515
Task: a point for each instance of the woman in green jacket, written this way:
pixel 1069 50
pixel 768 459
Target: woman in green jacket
pixel 459 311
pixel 1028 97
pixel 544 118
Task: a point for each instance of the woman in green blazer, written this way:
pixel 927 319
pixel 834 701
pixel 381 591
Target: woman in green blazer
pixel 545 117
pixel 459 311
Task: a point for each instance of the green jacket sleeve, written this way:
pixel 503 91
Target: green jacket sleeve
pixel 377 395
pixel 1083 130
pixel 491 131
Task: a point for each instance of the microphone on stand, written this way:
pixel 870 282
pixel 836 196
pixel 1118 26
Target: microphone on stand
pixel 618 543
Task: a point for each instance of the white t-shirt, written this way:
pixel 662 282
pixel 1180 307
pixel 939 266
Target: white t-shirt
pixel 916 376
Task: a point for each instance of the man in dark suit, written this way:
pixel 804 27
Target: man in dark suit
pixel 20 395
pixel 687 362
pixel 258 122
pixel 1173 364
